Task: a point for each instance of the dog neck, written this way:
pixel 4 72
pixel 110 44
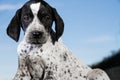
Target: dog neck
pixel 25 48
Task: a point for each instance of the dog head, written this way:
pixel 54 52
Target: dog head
pixel 36 18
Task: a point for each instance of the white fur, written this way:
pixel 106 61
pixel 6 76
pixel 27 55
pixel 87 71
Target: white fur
pixel 35 7
pixel 70 69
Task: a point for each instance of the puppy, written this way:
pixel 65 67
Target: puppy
pixel 41 54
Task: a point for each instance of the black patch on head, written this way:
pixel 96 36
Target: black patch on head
pixel 26 16
pixel 45 16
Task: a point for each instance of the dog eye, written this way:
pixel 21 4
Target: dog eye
pixel 47 17
pixel 26 18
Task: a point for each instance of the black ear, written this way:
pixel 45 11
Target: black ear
pixel 59 24
pixel 13 29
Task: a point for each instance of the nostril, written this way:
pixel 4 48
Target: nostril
pixel 37 34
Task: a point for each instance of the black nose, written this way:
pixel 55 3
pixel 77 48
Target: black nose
pixel 37 34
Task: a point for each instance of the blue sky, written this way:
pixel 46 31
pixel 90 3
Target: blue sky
pixel 92 30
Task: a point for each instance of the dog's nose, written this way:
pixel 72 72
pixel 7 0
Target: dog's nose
pixel 37 34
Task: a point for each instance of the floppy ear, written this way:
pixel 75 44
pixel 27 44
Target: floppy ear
pixel 13 29
pixel 59 24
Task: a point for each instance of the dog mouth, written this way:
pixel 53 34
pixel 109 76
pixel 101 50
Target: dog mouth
pixel 36 40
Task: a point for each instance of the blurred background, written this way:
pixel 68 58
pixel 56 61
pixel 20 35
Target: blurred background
pixel 92 30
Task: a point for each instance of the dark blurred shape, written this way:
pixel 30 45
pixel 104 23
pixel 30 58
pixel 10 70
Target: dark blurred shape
pixel 111 65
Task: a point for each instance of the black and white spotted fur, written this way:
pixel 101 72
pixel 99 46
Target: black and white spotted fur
pixel 42 54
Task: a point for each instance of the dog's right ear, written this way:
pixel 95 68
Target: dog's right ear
pixel 13 29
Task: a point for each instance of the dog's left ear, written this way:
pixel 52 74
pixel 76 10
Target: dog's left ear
pixel 59 24
pixel 13 29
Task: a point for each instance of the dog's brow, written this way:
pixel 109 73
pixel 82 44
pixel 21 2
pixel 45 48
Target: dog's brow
pixel 35 7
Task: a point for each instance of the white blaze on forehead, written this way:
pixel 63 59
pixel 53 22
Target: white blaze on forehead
pixel 35 24
pixel 35 7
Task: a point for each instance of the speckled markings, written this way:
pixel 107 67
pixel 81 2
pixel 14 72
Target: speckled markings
pixel 53 62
